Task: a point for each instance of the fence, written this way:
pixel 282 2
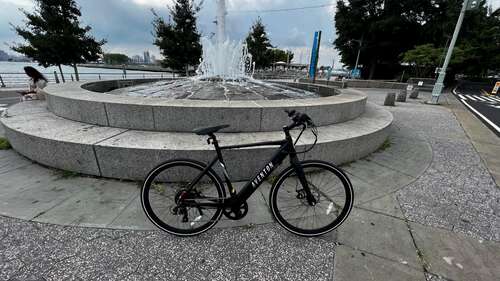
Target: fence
pixel 21 80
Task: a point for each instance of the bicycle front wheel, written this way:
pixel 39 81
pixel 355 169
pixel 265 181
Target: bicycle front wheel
pixel 332 190
pixel 170 199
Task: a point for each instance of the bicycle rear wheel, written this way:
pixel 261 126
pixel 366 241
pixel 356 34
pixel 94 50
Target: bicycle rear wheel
pixel 165 196
pixel 332 190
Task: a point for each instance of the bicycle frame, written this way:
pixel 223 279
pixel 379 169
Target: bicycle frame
pixel 286 148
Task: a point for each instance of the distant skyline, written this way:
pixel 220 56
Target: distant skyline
pixel 126 24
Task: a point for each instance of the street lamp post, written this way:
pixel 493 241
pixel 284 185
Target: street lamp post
pixel 360 42
pixel 438 87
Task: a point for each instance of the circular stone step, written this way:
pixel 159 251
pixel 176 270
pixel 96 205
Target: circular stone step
pixel 74 102
pixel 129 154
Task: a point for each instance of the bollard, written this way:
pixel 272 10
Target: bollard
pixel 56 77
pixel 390 99
pixel 72 79
pixel 99 76
pixel 414 94
pixel 401 96
pixel 1 82
pixel 162 76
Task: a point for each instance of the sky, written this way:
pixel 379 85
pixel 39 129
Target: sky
pixel 126 24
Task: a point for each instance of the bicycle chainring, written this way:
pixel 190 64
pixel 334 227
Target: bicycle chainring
pixel 236 213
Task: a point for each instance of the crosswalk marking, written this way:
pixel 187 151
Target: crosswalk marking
pixel 489 99
pixel 494 99
pixel 472 98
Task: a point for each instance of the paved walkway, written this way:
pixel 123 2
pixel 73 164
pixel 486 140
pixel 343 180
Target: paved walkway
pixel 426 208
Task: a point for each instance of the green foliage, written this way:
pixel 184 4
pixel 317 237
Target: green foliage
pixel 4 144
pixel 178 39
pixel 68 174
pixel 277 55
pixel 426 58
pixel 386 145
pixel 389 29
pixel 259 45
pixel 53 35
pixel 115 59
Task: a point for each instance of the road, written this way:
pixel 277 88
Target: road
pixel 485 107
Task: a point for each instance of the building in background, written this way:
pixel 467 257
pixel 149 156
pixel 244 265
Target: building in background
pixel 137 59
pixel 147 57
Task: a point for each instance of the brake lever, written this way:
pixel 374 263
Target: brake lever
pixel 291 113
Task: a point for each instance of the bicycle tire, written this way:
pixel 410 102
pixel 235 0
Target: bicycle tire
pixel 313 169
pixel 174 181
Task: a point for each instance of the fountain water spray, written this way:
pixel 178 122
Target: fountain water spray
pixel 224 59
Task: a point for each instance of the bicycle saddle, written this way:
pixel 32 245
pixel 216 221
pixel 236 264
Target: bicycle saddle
pixel 209 130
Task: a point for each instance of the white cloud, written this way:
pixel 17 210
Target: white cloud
pixel 25 3
pixel 153 3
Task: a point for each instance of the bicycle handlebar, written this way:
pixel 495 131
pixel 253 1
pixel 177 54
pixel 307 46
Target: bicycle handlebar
pixel 299 119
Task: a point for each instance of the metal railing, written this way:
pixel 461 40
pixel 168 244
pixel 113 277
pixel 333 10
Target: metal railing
pixel 19 79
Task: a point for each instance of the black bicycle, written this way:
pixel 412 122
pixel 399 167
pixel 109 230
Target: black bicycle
pixel 185 197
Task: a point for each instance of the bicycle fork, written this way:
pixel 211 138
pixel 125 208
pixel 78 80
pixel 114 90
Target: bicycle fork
pixel 299 171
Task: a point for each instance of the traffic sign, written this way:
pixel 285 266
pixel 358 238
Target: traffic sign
pixel 496 89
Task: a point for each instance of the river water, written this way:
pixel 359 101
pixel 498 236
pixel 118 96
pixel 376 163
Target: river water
pixel 12 73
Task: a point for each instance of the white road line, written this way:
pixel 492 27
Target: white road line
pixel 495 98
pixel 471 97
pixel 480 115
pixel 489 99
pixel 479 98
pixel 462 97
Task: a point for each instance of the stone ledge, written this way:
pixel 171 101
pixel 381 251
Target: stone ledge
pixel 73 102
pixel 128 154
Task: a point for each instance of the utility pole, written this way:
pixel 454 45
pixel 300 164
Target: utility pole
pixel 438 87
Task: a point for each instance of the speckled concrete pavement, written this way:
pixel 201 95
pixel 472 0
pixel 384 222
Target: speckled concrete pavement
pixel 425 209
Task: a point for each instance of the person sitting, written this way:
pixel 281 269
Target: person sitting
pixel 37 83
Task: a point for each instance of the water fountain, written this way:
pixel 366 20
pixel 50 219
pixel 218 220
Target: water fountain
pixel 225 73
pixel 123 128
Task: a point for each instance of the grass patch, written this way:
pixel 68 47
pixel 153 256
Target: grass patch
pixel 68 174
pixel 4 144
pixel 386 145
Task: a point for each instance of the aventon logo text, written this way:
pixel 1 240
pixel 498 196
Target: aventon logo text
pixel 262 175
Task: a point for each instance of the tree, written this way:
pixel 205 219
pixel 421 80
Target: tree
pixel 383 29
pixel 258 44
pixel 115 59
pixel 53 36
pixel 178 39
pixel 386 29
pixel 424 59
pixel 280 55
